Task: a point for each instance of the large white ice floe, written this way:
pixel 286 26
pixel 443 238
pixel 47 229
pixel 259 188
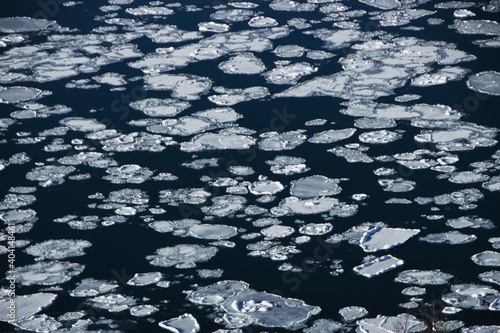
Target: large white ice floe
pixel 314 186
pixel 379 238
pixel 212 231
pixel 48 273
pixel 243 306
pixel 485 82
pixel 473 296
pixel 24 24
pixel 25 305
pixel 487 258
pixel 91 287
pixel 214 141
pixel 155 107
pixel 58 249
pixel 182 256
pixel 243 63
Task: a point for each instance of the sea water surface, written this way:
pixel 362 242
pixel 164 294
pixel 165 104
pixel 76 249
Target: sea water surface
pixel 264 166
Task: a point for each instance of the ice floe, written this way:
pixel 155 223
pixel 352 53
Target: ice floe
pixel 450 237
pixel 182 256
pixel 155 107
pixel 243 306
pixel 485 82
pixel 379 238
pixel 58 249
pixel 391 324
pixel 48 273
pixel 331 136
pixel 378 266
pixel 243 63
pixel 91 287
pixel 314 186
pixel 487 258
pixel 423 277
pixel 212 231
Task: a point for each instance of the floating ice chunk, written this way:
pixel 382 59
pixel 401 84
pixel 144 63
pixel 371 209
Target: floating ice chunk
pixel 38 323
pixel 183 126
pixel 145 279
pixel 316 229
pixel 277 231
pixel 129 173
pixel 490 276
pixel 378 266
pixel 379 238
pixel 382 4
pixel 288 165
pixel 401 17
pixel 325 325
pixel 480 27
pixel 262 22
pixel 243 4
pixel 292 6
pixel 471 296
pixel 58 249
pixel 48 273
pixel 11 95
pixel 212 231
pixel 493 184
pixel 413 291
pixel 113 302
pixel 182 256
pixel 485 82
pixel 225 205
pixel 137 141
pixel 18 216
pixel 351 155
pixel 289 51
pixel 185 323
pixel 331 136
pixel 423 277
pixel 397 185
pixel 487 258
pixel 23 24
pixel 493 42
pixel 314 186
pixel 232 15
pixel 351 313
pixel 454 4
pixel 155 107
pixel 481 329
pixel 273 141
pixel 184 195
pixel 265 187
pixel 145 10
pixel 241 170
pixel 289 74
pixel 379 137
pixel 391 324
pixel 82 124
pixel 230 97
pixel 294 205
pixel 316 122
pixel 113 79
pixel 463 13
pixel 451 237
pixel 212 141
pixel 470 222
pixel 244 63
pixel 467 177
pixel 213 27
pixel 183 86
pixel 91 287
pixel 26 305
pixel 143 310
